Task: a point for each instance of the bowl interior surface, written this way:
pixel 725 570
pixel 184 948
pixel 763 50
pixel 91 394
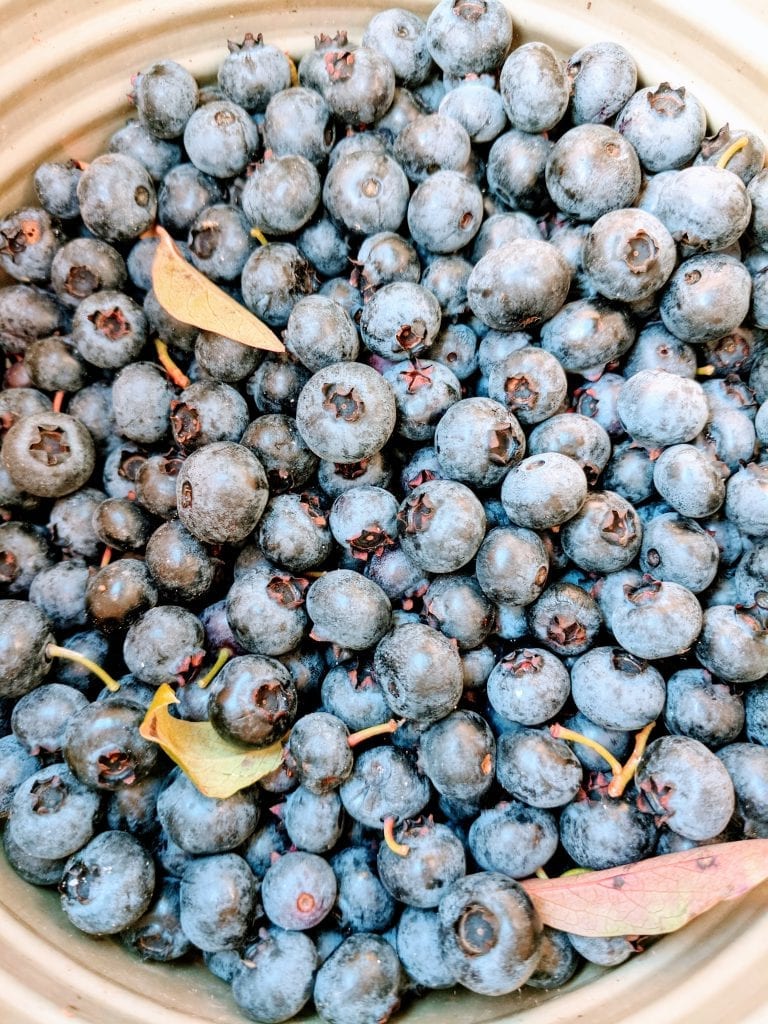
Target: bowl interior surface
pixel 63 82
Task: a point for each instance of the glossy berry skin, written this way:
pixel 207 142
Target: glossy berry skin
pixel 358 84
pixel 363 520
pixel 490 933
pixel 298 890
pixel 457 754
pixel 686 787
pixel 558 961
pixel 420 672
pixel 25 554
pixel 602 833
pixel 665 125
pixel 460 610
pixel 537 769
pixel 543 491
pixel 184 193
pixel 699 706
pixel 25 633
pixel 108 885
pixel 252 701
pixel 435 860
pixel 217 901
pixel 158 935
pixel 116 197
pixel 534 87
pixel 346 412
pixel 274 981
pixel 519 285
pixel 146 651
pixel 293 532
pixel 460 39
pixel 513 838
pixel 529 686
pixel 608 952
pixel 747 765
pixel 441 525
pixel 205 825
pixel 281 194
pixel 119 593
pixel 179 563
pixel 603 77
pixel 359 982
pixel 320 332
pixel 318 745
pixel 405 795
pixel 103 747
pixel 592 170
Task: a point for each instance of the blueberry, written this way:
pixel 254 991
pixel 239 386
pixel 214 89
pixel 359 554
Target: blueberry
pixel 274 981
pixel 605 534
pixel 585 156
pixel 537 769
pixel 441 525
pixel 217 901
pixel 686 787
pixel 16 764
pixel 298 121
pixel 117 197
pixel 158 935
pixel 747 765
pixel 558 961
pixel 52 813
pixel 369 801
pixel 366 192
pixel 220 138
pixel 253 72
pixel 733 644
pixel 165 96
pixel 689 481
pixel 359 982
pixel 603 77
pixel 628 254
pixel 659 408
pixel 418 948
pixel 519 285
pixel 221 492
pixel 490 933
pixel 348 609
pixel 29 241
pixel 513 839
pixel 86 265
pixel 108 885
pixel 185 191
pixel 565 618
pixel 252 701
pixel 298 890
pixel 48 454
pixel 534 87
pixel 657 619
pixel 156 155
pixel 665 125
pixel 445 212
pixel 432 143
pixel 699 706
pixel 205 825
pixel 677 549
pixel 220 242
pixel 464 39
pixel 400 36
pixel 707 297
pixel 281 194
pixel 358 84
pixel 607 952
pixel 599 833
pixel 56 188
pixel 109 329
pixel 705 208
pixel 293 532
pixel 478 107
pixel 544 490
pixel 25 553
pixel 320 332
pixel 435 860
pixel 529 686
pixel 400 320
pixel 265 610
pixel 456 348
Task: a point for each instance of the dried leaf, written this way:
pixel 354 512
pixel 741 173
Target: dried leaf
pixel 653 896
pixel 191 297
pixel 217 767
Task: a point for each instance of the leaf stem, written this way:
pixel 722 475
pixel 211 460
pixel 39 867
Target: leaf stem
pixel 222 658
pixel 732 150
pixel 389 838
pixel 175 374
pixel 560 733
pixel 374 730
pixel 620 781
pixel 54 651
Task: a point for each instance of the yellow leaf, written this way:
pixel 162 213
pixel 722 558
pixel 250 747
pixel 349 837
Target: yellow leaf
pixel 191 297
pixel 217 767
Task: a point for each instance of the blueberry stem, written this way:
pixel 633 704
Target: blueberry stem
pixel 620 781
pixel 389 838
pixel 541 873
pixel 58 401
pixel 294 70
pixel 175 374
pixel 259 236
pixel 54 651
pixel 374 730
pixel 106 558
pixel 221 660
pixel 561 733
pixel 732 150
pixel 705 371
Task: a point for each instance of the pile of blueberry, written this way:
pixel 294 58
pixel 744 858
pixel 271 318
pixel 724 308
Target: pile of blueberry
pixel 486 548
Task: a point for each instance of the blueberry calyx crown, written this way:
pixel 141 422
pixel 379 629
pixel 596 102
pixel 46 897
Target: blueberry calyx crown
pixel 51 446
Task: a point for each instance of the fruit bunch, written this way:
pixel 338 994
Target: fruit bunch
pixel 311 652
